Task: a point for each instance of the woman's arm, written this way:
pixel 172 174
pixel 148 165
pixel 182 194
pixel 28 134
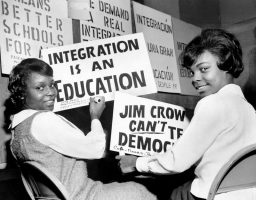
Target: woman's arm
pixel 64 137
pixel 208 122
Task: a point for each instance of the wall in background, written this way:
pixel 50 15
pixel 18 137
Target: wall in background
pixel 200 12
pixel 169 7
pixel 246 33
pixel 4 136
pixel 233 12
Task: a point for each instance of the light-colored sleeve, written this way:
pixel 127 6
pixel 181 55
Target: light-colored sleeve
pixel 210 120
pixel 64 137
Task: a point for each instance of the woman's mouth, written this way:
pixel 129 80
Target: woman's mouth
pixel 200 87
pixel 50 102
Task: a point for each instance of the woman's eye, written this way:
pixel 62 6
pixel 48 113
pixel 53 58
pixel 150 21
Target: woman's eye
pixel 40 88
pixel 203 69
pixel 191 73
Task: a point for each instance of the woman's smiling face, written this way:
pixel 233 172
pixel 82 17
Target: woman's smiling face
pixel 207 78
pixel 40 92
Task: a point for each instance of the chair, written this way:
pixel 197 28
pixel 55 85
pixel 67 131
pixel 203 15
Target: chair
pixel 238 173
pixel 41 184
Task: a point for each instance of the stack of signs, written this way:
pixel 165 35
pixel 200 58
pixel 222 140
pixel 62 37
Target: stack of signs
pixel 101 19
pixel 158 32
pixel 28 26
pixel 143 126
pixel 100 68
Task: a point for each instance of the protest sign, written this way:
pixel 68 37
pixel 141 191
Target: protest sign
pixel 100 67
pixel 143 126
pixel 158 32
pixel 183 33
pixel 99 19
pixel 28 26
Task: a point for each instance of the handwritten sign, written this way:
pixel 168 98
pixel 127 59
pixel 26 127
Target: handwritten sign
pixel 158 32
pixel 28 26
pixel 183 34
pixel 144 127
pixel 101 19
pixel 100 67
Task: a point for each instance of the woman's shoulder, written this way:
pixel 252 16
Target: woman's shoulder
pixel 211 100
pixel 214 104
pixel 45 116
pixel 49 117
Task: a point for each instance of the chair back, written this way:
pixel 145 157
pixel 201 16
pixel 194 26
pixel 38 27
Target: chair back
pixel 41 184
pixel 238 173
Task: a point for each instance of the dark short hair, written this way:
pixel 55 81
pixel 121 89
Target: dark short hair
pixel 20 74
pixel 220 43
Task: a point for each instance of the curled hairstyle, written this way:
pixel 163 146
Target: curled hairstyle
pixel 19 76
pixel 220 43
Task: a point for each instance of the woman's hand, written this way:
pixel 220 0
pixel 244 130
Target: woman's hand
pixel 97 105
pixel 127 163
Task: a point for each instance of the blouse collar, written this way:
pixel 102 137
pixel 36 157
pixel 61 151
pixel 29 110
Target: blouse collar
pixel 232 88
pixel 21 116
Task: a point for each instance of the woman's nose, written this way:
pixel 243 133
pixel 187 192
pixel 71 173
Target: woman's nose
pixel 51 90
pixel 197 76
